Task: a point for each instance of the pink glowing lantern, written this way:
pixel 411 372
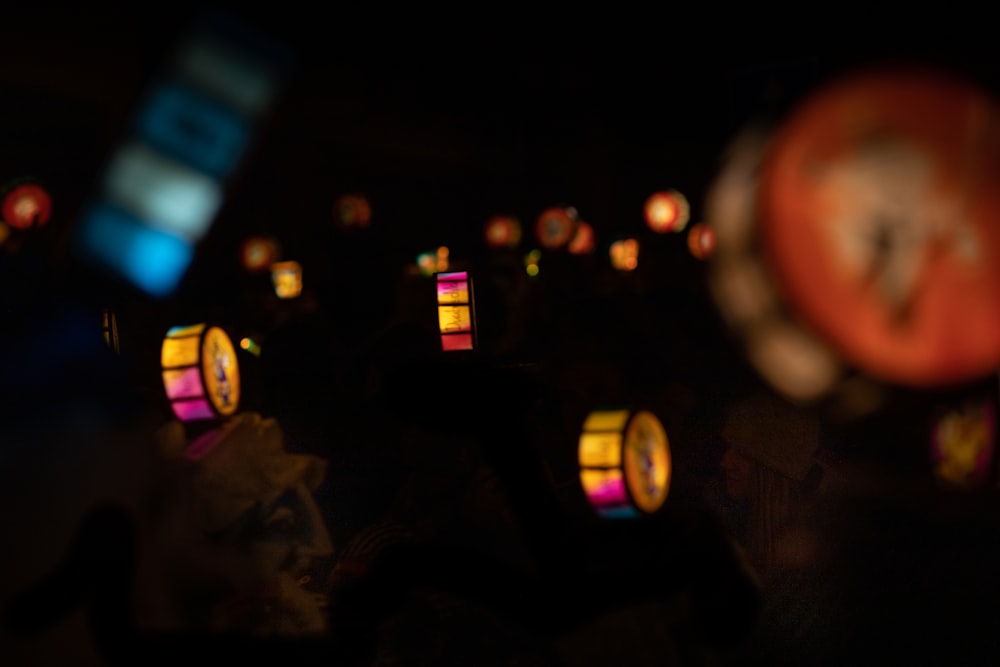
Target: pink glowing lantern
pixel 201 373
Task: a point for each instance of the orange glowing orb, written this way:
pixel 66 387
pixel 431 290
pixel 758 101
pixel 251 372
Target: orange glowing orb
pixel 352 212
pixel 583 241
pixel 667 212
pixel 26 205
pixel 555 227
pixel 701 240
pixel 625 254
pixel 881 219
pixel 502 231
pixel 258 253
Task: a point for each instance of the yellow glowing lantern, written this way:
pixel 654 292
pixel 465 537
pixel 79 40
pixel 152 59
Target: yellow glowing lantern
pixel 625 254
pixel 258 253
pixel 556 226
pixel 583 240
pixel 201 373
pixel 701 240
pixel 110 324
pixel 502 231
pixel 287 279
pixel 456 311
pixel 625 462
pixel 667 211
pixel 352 211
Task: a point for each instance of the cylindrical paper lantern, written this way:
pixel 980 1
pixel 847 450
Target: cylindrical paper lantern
pixel 287 279
pixel 456 311
pixel 625 462
pixel 201 373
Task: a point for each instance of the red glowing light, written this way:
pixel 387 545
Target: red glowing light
pixel 502 232
pixel 555 227
pixel 25 206
pixel 667 212
pixel 583 241
pixel 701 240
pixel 258 253
pixel 352 212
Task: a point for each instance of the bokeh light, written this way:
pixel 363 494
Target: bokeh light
pixel 531 261
pixel 26 205
pixel 287 279
pixel 667 211
pixel 584 240
pixel 556 226
pixel 352 211
pixel 433 261
pixel 259 252
pixel 701 240
pixel 625 254
pixel 502 231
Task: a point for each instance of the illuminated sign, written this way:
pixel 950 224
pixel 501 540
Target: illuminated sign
pixel 625 463
pixel 456 311
pixel 165 184
pixel 201 373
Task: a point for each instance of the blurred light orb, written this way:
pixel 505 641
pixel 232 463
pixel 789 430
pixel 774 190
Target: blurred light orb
pixel 556 226
pixel 583 240
pixel 667 211
pixel 502 231
pixel 258 253
pixel 531 261
pixel 352 211
pixel 26 205
pixel 287 279
pixel 625 254
pixel 701 240
pixel 433 261
pixel 4 232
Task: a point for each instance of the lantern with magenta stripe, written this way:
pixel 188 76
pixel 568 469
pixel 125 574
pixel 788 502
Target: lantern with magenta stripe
pixel 456 311
pixel 201 373
pixel 625 462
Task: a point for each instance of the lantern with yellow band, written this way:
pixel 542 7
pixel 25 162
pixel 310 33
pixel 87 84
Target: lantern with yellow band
pixel 456 311
pixel 625 462
pixel 201 373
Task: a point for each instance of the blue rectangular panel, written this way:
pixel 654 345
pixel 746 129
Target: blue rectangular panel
pixel 151 260
pixel 193 129
pixel 163 192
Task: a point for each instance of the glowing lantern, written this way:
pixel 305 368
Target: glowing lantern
pixel 352 212
pixel 556 226
pixel 667 212
pixel 456 311
pixel 200 372
pixel 26 205
pixel 625 254
pixel 701 240
pixel 287 279
pixel 110 323
pixel 625 463
pixel 502 232
pixel 963 441
pixel 258 253
pixel 583 240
